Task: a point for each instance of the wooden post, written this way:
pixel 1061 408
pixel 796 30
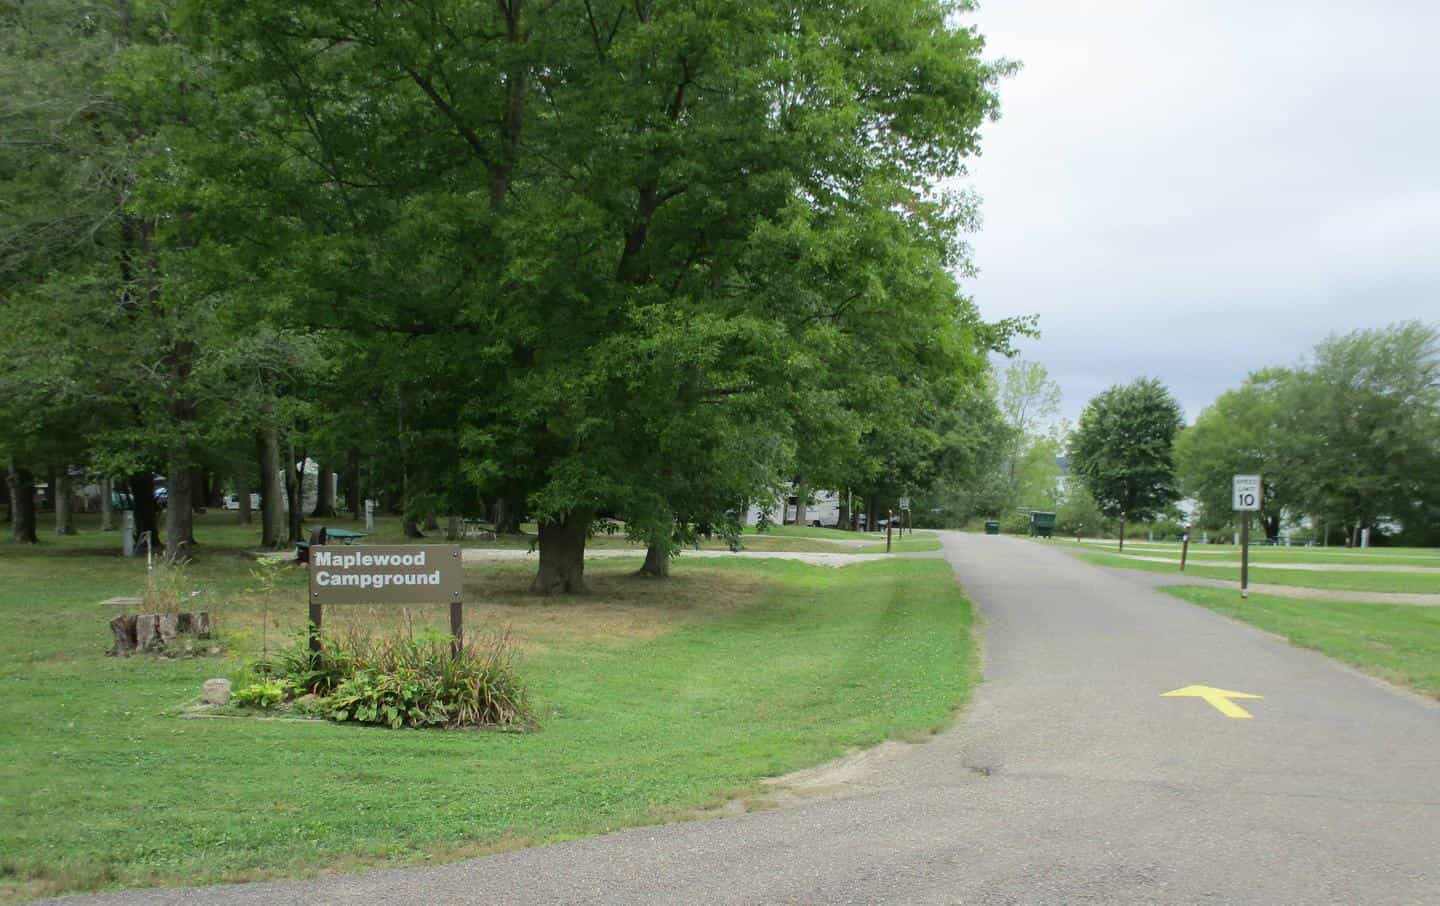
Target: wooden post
pixel 1184 548
pixel 457 627
pixel 1245 556
pixel 315 618
pixel 889 524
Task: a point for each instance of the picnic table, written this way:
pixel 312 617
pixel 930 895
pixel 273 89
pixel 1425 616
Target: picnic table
pixel 325 535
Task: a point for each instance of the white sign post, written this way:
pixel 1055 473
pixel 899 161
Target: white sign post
pixel 1246 495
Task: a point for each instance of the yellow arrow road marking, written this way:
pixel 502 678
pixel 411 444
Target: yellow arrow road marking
pixel 1220 698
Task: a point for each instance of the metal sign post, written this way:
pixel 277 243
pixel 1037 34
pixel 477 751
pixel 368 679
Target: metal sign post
pixel 1247 494
pixel 1184 548
pixel 904 515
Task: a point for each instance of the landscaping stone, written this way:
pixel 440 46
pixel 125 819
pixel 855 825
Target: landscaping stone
pixel 216 692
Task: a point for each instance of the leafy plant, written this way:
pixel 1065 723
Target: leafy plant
pixel 402 681
pixel 395 681
pixel 266 694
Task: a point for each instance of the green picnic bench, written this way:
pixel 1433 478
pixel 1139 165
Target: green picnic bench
pixel 324 535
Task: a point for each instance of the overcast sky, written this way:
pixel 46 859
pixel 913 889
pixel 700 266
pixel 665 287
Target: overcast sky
pixel 1192 190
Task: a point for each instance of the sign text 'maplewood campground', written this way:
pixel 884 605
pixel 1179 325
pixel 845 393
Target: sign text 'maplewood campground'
pixel 379 574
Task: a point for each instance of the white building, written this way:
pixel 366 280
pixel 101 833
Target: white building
pixel 822 509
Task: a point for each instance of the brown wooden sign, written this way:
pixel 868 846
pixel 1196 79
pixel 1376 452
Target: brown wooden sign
pixel 385 574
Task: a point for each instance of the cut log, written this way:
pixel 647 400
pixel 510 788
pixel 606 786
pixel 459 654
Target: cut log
pixel 147 633
pixel 124 628
pixel 167 626
pixel 200 625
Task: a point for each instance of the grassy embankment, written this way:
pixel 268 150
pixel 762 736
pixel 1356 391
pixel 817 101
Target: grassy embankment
pixel 1398 643
pixel 656 698
pixel 1230 554
pixel 1413 583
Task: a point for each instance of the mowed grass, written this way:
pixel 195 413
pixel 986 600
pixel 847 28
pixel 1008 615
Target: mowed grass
pixel 1398 643
pixel 655 698
pixel 1413 583
pixel 1399 556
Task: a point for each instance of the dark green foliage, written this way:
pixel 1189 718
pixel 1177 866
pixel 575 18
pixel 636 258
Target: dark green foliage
pixel 1348 439
pixel 398 681
pixel 1121 450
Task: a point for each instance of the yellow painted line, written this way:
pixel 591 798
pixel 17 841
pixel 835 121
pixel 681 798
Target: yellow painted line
pixel 1219 698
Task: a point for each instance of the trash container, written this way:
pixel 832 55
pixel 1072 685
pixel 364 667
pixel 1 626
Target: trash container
pixel 1042 525
pixel 992 527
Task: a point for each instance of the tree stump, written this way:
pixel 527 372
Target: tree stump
pixel 156 631
pixel 124 628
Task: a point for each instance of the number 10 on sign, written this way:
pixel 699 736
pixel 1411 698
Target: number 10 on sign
pixel 1247 494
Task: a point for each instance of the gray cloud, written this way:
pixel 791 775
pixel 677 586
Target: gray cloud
pixel 1196 190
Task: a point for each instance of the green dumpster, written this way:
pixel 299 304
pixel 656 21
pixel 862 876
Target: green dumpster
pixel 1042 525
pixel 992 527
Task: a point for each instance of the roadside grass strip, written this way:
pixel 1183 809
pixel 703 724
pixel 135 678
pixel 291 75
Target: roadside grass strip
pixel 654 699
pixel 1395 642
pixel 1400 557
pixel 1412 583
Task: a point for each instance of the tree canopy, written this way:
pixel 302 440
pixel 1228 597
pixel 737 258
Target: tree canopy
pixel 1122 451
pixel 571 261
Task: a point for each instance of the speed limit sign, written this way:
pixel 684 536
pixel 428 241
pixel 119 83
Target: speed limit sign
pixel 1246 496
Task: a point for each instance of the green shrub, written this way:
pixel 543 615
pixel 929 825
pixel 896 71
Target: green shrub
pixel 405 682
pixel 395 681
pixel 265 694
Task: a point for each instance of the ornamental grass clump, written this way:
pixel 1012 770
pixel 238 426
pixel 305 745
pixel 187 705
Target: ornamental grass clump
pixel 403 681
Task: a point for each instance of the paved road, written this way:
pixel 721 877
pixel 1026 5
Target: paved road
pixel 1070 780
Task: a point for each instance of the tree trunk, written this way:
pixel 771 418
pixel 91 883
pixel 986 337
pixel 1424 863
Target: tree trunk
pixel 215 492
pixel 64 518
pixel 107 505
pixel 508 513
pixel 411 526
pixel 431 523
pixel 242 497
pixel 1122 533
pixel 800 492
pixel 272 516
pixel 21 486
pixel 352 484
pixel 452 528
pixel 562 556
pixel 295 494
pixel 842 521
pixel 142 492
pixel 871 520
pixel 179 512
pixel 324 493
pixel 657 561
pixel 1272 527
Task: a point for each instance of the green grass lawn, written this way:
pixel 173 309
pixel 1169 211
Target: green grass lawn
pixel 1415 583
pixel 1395 642
pixel 1402 556
pixel 655 698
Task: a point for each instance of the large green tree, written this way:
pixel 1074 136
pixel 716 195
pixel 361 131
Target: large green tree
pixel 1122 451
pixel 1242 432
pixel 1359 429
pixel 526 212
